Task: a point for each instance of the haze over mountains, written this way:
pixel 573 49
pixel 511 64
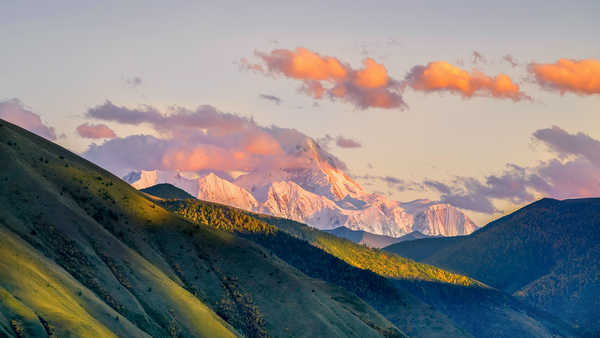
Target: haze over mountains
pixel 319 194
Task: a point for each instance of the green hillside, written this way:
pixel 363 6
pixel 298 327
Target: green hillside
pixel 547 254
pixel 400 289
pixel 84 254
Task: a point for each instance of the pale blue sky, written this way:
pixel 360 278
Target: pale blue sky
pixel 62 57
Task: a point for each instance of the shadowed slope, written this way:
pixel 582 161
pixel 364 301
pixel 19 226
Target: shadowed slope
pixel 547 253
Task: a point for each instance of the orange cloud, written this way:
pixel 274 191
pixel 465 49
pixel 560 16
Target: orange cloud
pixel 581 77
pixel 374 75
pixel 442 76
pixel 323 76
pixel 304 64
pixel 95 131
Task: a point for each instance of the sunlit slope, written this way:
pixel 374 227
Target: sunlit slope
pixel 127 264
pixel 547 253
pixel 381 262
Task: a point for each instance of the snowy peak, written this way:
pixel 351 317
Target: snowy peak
pixel 443 220
pixel 288 199
pixel 215 189
pixel 142 179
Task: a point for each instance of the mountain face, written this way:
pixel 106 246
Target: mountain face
pixel 547 253
pixel 319 194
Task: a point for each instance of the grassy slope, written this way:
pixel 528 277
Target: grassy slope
pixel 93 244
pixel 546 253
pixel 483 311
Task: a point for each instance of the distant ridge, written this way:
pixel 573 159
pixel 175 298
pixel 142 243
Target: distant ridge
pixel 373 240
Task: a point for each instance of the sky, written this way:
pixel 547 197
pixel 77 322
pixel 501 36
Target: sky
pixel 487 105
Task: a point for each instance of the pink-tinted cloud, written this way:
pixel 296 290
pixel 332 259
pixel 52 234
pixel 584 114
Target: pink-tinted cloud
pixel 574 174
pixel 442 76
pixel 344 142
pixel 580 77
pixel 15 112
pixel 201 139
pixel 95 131
pixel 325 76
pixel 203 157
pixel 175 119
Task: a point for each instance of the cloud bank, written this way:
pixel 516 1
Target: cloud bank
pixel 14 111
pixel 201 139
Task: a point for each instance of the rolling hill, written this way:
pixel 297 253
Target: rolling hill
pixel 82 253
pixel 547 254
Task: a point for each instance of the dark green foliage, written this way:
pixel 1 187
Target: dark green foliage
pixel 167 191
pixel 547 253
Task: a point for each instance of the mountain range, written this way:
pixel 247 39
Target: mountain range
pixel 319 194
pixel 82 253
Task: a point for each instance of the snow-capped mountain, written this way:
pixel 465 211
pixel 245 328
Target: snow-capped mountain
pixel 277 192
pixel 321 176
pixel 215 189
pixel 314 189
